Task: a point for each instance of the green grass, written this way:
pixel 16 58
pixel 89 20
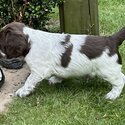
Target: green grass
pixel 55 14
pixel 112 15
pixel 75 102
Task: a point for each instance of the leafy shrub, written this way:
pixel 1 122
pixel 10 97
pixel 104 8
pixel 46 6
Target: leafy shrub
pixel 32 12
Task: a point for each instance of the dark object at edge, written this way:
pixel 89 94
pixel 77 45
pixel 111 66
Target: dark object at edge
pixel 14 63
pixel 2 79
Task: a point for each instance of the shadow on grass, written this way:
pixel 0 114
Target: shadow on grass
pixel 92 90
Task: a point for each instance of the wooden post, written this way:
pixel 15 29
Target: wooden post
pixel 79 17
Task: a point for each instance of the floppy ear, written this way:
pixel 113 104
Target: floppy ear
pixel 16 44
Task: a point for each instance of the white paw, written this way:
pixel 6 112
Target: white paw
pixel 22 92
pixel 112 95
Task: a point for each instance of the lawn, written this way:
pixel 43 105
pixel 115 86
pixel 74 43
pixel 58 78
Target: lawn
pixel 75 101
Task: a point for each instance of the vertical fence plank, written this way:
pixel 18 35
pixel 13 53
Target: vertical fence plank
pixel 94 19
pixel 79 16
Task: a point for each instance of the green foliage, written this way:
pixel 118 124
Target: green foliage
pixel 33 12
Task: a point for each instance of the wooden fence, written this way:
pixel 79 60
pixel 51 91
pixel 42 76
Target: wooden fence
pixel 79 16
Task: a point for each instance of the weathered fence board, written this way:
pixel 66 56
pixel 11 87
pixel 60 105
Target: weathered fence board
pixel 79 16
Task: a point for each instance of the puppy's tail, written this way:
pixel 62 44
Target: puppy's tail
pixel 119 37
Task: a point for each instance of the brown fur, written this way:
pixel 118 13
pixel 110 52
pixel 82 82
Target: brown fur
pixel 66 56
pixel 95 45
pixel 13 42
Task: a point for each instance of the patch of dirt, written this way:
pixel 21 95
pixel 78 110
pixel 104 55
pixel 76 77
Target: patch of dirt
pixel 14 79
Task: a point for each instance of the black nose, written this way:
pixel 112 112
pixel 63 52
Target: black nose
pixel 2 78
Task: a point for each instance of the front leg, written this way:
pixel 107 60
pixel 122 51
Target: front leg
pixel 29 85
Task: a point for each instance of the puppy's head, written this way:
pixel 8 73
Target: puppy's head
pixel 13 42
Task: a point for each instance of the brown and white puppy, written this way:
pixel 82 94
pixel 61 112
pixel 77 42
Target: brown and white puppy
pixel 57 56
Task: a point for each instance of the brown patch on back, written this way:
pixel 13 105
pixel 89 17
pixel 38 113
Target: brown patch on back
pixel 67 39
pixel 95 45
pixel 66 56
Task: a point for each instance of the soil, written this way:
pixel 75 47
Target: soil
pixel 14 79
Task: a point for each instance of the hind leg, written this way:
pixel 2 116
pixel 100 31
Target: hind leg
pixel 117 86
pixel 113 75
